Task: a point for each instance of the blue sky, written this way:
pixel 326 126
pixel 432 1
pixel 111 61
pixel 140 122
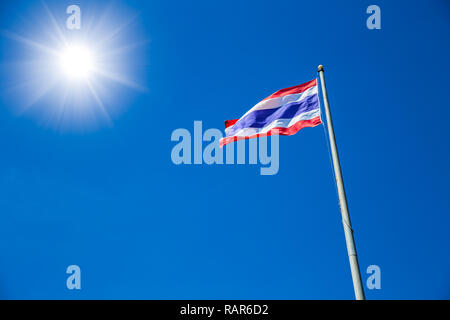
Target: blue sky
pixel 106 196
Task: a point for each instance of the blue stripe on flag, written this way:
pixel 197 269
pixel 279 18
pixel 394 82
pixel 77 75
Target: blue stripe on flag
pixel 262 118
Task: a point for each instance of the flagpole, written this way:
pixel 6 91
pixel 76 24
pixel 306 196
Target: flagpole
pixel 351 249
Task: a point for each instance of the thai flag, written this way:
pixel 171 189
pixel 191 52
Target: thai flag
pixel 285 112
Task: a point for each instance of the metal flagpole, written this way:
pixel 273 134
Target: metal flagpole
pixel 353 258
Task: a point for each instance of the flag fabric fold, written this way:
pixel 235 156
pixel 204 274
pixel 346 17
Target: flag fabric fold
pixel 285 113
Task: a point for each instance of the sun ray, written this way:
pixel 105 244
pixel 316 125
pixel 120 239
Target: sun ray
pixel 29 42
pixel 121 79
pixel 118 29
pixel 122 49
pixel 44 90
pixel 55 24
pixel 99 102
pixel 73 73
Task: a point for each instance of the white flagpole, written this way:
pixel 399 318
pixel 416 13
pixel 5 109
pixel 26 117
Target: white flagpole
pixel 353 258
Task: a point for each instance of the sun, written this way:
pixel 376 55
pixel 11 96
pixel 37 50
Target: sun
pixel 76 62
pixel 72 79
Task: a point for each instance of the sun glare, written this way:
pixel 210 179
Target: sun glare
pixel 73 77
pixel 76 62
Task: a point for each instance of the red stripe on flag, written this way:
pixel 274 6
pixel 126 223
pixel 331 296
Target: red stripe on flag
pixel 292 90
pixel 229 123
pixel 281 131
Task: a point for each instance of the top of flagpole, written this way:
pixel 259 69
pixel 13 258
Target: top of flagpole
pixel 320 68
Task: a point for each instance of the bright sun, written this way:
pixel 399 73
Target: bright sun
pixel 76 62
pixel 74 77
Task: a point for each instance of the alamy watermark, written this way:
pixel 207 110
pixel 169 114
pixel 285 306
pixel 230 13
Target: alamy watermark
pixel 74 280
pixel 374 280
pixel 374 20
pixel 73 22
pixel 212 153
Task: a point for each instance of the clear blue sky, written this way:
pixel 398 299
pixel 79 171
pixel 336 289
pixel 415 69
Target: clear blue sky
pixel 106 196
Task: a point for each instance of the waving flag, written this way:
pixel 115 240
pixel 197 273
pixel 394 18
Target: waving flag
pixel 285 112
